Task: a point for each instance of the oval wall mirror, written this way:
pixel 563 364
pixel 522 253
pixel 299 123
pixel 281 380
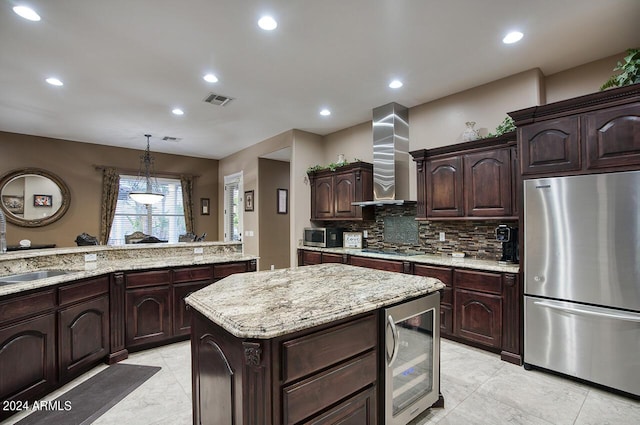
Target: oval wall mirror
pixel 32 197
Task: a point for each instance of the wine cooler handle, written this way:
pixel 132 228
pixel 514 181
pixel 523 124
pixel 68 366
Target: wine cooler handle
pixel 394 333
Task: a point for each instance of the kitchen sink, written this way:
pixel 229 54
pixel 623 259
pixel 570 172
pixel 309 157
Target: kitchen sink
pixel 29 276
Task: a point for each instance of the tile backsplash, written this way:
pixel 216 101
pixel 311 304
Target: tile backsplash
pixel 475 238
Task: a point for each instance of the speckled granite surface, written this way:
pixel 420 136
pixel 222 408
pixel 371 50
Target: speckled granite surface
pixel 436 260
pixel 111 259
pixel 268 304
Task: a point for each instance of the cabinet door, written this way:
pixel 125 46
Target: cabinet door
pixel 550 146
pixel 148 315
pixel 444 274
pixel 83 336
pixel 478 317
pixel 613 137
pixel 444 187
pixel 487 183
pixel 27 359
pixel 344 187
pixel 181 315
pixel 322 198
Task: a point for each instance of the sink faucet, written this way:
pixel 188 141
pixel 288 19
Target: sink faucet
pixel 3 233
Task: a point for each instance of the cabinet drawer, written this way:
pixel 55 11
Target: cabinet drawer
pixel 191 274
pixel 308 354
pixel 331 258
pixel 27 305
pixel 224 270
pixel 360 410
pixel 442 273
pixel 83 290
pixel 150 278
pixel 308 397
pixel 371 263
pixel 478 281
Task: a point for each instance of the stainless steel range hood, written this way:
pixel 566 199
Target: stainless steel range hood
pixel 390 156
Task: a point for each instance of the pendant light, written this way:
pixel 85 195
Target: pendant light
pixel 146 189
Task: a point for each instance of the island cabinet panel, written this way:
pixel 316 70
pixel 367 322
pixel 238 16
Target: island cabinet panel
pixel 323 375
pixel 445 274
pixel 334 192
pixel 83 331
pixel 27 359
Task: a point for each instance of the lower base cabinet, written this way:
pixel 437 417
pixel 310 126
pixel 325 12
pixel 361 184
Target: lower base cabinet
pixel 325 375
pixel 148 315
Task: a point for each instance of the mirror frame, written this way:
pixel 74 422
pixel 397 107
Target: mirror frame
pixel 64 190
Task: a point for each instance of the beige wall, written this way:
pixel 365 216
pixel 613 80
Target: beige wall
pixel 74 163
pixel 581 80
pixel 274 228
pixel 246 161
pixel 354 142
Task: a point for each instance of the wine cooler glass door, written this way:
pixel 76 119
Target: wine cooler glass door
pixel 412 356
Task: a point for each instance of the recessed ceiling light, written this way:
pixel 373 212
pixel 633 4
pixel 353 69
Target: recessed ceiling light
pixel 177 111
pixel 27 13
pixel 395 84
pixel 512 37
pixel 267 23
pixel 325 112
pixel 210 78
pixel 54 81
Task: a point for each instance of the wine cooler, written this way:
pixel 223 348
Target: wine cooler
pixel 412 358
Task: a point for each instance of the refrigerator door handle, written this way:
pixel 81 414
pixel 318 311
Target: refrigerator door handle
pixel 591 311
pixel 394 333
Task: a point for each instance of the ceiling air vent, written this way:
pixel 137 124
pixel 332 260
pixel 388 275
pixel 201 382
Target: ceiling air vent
pixel 217 99
pixel 171 139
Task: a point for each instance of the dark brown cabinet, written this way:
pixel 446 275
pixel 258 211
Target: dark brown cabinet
pixel 473 180
pixel 27 347
pixel 185 281
pixel 326 375
pixel 380 264
pixel 83 326
pixel 587 134
pixel 333 192
pixel 445 274
pixel 148 315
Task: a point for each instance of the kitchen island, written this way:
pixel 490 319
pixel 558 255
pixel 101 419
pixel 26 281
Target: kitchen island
pixel 297 345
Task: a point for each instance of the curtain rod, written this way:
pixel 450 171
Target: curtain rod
pixel 134 172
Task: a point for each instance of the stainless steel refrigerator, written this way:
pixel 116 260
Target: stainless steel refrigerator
pixel 582 277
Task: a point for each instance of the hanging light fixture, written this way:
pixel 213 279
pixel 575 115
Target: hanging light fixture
pixel 146 190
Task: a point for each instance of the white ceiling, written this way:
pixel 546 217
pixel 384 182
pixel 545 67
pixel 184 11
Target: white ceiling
pixel 127 63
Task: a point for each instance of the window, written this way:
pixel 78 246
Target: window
pixel 232 206
pixel 164 220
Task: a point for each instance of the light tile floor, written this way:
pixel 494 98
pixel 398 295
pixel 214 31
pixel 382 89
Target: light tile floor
pixel 479 389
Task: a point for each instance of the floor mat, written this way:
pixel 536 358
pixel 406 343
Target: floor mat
pixel 92 398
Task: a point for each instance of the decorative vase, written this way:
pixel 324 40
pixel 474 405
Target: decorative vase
pixel 470 133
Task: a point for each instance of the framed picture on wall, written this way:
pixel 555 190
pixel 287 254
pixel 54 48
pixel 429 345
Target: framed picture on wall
pixel 248 200
pixel 283 195
pixel 42 200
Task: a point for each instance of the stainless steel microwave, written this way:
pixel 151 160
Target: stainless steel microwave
pixel 323 237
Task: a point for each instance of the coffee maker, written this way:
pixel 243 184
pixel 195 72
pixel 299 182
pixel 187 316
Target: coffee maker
pixel 509 237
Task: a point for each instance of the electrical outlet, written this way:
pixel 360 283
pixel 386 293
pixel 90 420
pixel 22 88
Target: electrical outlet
pixel 365 234
pixel 442 238
pixel 198 250
pixel 90 257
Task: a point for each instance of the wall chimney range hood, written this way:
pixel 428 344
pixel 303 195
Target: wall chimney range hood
pixel 390 156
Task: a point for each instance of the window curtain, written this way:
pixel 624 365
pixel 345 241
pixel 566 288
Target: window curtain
pixel 110 189
pixel 187 202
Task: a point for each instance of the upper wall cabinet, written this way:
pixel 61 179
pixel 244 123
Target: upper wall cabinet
pixel 334 192
pixel 471 180
pixel 595 133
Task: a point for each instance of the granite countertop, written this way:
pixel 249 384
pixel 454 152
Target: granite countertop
pixel 432 259
pixel 109 260
pixel 268 304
